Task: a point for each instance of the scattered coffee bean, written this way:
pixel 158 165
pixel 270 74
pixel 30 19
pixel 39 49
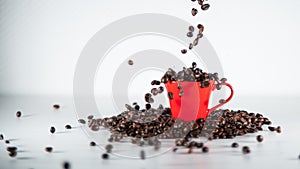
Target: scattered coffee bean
pixel 142 154
pixel 49 149
pixel 278 129
pixel 205 7
pixel 12 153
pixel 11 149
pixel 130 62
pixel 175 149
pixel 183 51
pixel 18 114
pixel 90 117
pixel 194 11
pixel 52 129
pixel 68 126
pixel 271 128
pixel 246 150
pixel 234 145
pixel 108 148
pixel 200 2
pixel 201 28
pixel 191 46
pixel 205 149
pixel 56 106
pixel 66 165
pixel 191 29
pixel 105 156
pixel 7 141
pixel 148 106
pixel 92 143
pixel 222 101
pixel 81 121
pixel 1 137
pixel 199 145
pixel 260 138
pixel 137 107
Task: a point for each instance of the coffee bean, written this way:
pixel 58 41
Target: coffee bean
pixel 223 80
pixel 199 145
pixel 200 35
pixel 189 34
pixel 11 149
pixel 18 114
pixel 92 143
pixel 68 126
pixel 183 51
pixel 278 129
pixel 105 156
pixel 7 141
pixel 271 128
pixel 142 155
pixel 130 62
pixel 110 139
pixel 108 148
pixel 194 11
pixel 175 149
pixel 200 2
pixel 201 28
pixel 137 107
pixel 81 121
pixel 246 150
pixel 56 106
pixel 260 138
pixel 191 46
pixel 234 145
pixel 222 101
pixel 52 129
pixel 148 106
pixel 205 7
pixel 12 154
pixel 66 165
pixel 205 149
pixel 170 95
pixel 191 29
pixel 1 137
pixel 49 149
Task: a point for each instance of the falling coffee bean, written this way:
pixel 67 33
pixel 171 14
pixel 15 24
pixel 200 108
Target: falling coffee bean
pixel 190 34
pixel 194 11
pixel 130 62
pixel 246 150
pixel 56 106
pixel 201 28
pixel 222 101
pixel 105 156
pixel 92 143
pixel 52 129
pixel 81 121
pixel 278 129
pixel 260 138
pixel 234 145
pixel 148 106
pixel 205 149
pixel 108 148
pixel 175 149
pixel 49 149
pixel 205 7
pixel 142 154
pixel 18 114
pixel 7 141
pixel 68 126
pixel 12 154
pixel 183 51
pixel 66 165
pixel 11 149
pixel 271 128
pixel 191 46
pixel 191 29
pixel 1 137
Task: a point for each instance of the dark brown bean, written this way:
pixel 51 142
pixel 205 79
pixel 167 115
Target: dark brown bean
pixel 105 156
pixel 18 114
pixel 11 149
pixel 12 154
pixel 271 128
pixel 234 145
pixel 191 29
pixel 130 62
pixel 1 137
pixel 92 143
pixel 52 129
pixel 81 121
pixel 246 150
pixel 56 106
pixel 205 7
pixel 68 126
pixel 260 138
pixel 189 34
pixel 201 28
pixel 66 165
pixel 49 149
pixel 278 129
pixel 205 149
pixel 183 51
pixel 194 11
pixel 108 148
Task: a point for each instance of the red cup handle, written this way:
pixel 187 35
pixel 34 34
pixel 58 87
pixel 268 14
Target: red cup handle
pixel 227 100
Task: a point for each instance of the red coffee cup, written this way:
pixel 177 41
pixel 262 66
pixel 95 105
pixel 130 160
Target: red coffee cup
pixel 193 104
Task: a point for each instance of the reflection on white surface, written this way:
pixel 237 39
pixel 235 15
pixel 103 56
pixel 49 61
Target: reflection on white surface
pixel 31 135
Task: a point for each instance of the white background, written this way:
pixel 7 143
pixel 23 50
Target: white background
pixel 256 41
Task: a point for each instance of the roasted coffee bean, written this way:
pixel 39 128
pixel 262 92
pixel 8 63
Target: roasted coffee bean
pixel 11 149
pixel 201 28
pixel 234 145
pixel 194 11
pixel 18 114
pixel 195 42
pixel 205 7
pixel 260 138
pixel 130 62
pixel 90 117
pixel 191 46
pixel 183 51
pixel 1 137
pixel 56 106
pixel 223 80
pixel 142 155
pixel 175 149
pixel 68 126
pixel 66 165
pixel 200 35
pixel 110 139
pixel 81 121
pixel 200 2
pixel 246 150
pixel 148 106
pixel 222 101
pixel 92 143
pixel 7 141
pixel 108 148
pixel 205 149
pixel 12 153
pixel 189 34
pixel 160 89
pixel 155 82
pixel 105 156
pixel 278 129
pixel 49 149
pixel 137 107
pixel 170 95
pixel 271 128
pixel 199 145
pixel 191 29
pixel 52 130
